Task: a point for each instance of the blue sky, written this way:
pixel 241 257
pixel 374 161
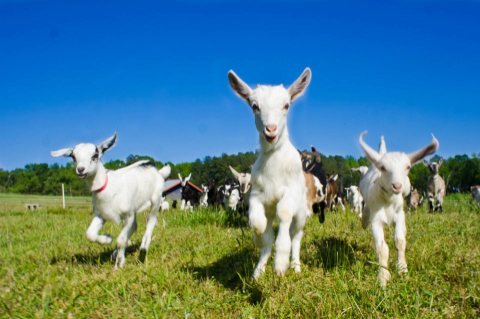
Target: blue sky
pixel 156 72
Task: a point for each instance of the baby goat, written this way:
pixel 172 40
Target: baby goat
pixel 278 184
pixel 118 195
pixel 383 189
pixel 436 187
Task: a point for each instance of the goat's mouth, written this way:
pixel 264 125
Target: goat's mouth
pixel 396 191
pixel 82 175
pixel 270 138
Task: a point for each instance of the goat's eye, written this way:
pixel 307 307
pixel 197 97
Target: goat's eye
pixel 73 158
pixel 383 169
pixel 286 106
pixel 95 157
pixel 255 107
pixel 409 167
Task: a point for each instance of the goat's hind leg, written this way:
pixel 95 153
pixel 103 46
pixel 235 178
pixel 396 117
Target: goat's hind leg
pixel 381 249
pixel 130 225
pixel 401 244
pixel 147 237
pixel 296 233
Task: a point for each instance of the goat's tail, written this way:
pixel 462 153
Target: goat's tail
pixel 165 171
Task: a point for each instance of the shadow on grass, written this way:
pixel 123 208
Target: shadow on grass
pixel 233 271
pixel 331 252
pixel 104 257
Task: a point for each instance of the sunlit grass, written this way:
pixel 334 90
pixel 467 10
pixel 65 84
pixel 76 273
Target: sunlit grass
pixel 200 263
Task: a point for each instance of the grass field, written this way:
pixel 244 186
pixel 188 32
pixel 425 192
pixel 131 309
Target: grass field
pixel 199 266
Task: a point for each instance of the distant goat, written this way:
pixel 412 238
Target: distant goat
pixel 475 190
pixel 312 164
pixel 190 196
pixel 383 189
pixel 332 193
pixel 118 195
pixel 414 200
pixel 204 197
pixel 278 184
pixel 362 169
pixel 355 199
pixel 244 180
pixel 436 187
pixel 315 193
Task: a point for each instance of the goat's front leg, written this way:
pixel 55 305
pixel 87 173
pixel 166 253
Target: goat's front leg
pixel 381 249
pixel 92 231
pixel 262 233
pixel 130 225
pixel 401 243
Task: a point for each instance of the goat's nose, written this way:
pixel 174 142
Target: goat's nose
pixel 80 169
pixel 397 187
pixel 271 128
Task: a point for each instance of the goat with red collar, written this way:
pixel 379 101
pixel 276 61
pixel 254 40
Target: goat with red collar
pixel 117 195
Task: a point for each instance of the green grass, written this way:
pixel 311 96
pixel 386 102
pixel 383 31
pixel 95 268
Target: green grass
pixel 199 266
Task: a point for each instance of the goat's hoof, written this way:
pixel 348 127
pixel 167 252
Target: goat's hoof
pixel 402 269
pixel 383 277
pixel 257 273
pixel 296 266
pixel 114 255
pixel 142 255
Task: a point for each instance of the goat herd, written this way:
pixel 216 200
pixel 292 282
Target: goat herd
pixel 284 186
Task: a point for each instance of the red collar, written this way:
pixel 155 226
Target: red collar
pixel 101 189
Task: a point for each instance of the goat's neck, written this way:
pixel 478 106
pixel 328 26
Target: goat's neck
pixel 99 178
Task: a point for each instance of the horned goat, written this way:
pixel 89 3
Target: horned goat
pixel 383 189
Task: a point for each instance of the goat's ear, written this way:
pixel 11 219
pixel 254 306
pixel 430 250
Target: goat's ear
pixel 188 177
pixel 234 172
pixel 313 148
pixel 335 177
pixel 427 150
pixel 179 176
pixel 240 87
pixel 63 152
pixel 299 86
pixel 107 144
pixel 440 162
pixel 382 147
pixel 371 154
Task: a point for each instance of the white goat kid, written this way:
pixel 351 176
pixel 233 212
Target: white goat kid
pixel 204 197
pixel 383 189
pixel 244 179
pixel 278 184
pixel 355 199
pixel 118 195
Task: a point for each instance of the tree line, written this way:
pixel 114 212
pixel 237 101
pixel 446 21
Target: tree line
pixel 459 172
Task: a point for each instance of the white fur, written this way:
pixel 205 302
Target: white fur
pixel 244 179
pixel 383 189
pixel 204 197
pixel 129 190
pixel 233 199
pixel 362 169
pixel 436 187
pixel 355 199
pixel 165 205
pixel 278 184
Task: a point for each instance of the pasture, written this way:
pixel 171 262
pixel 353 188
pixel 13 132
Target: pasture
pixel 199 266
